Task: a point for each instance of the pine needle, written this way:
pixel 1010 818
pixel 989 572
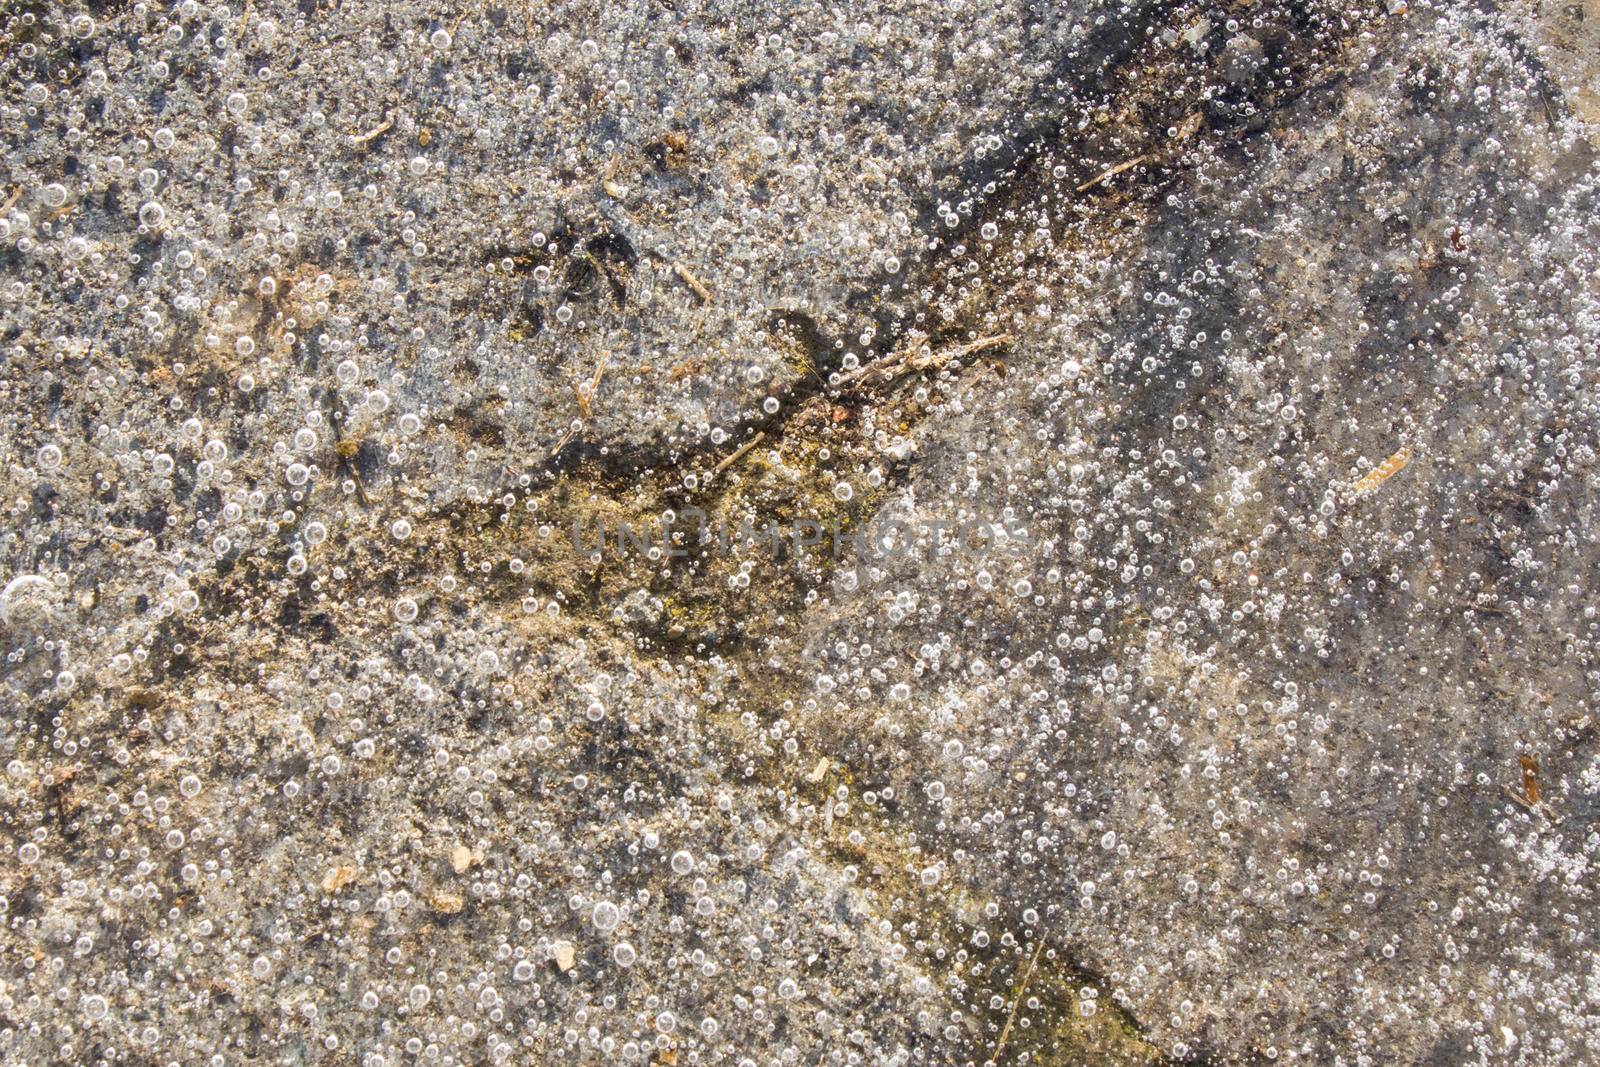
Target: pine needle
pixel 1016 1001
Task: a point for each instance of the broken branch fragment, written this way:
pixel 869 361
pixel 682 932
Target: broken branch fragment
pixel 695 284
pixel 1382 472
pixel 445 902
pixel 373 134
pixel 1530 778
pixel 898 364
pixel 337 878
pixel 1105 176
pixel 738 453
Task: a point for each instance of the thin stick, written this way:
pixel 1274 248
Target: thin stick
pixel 1520 799
pixel 336 414
pixel 742 449
pixel 1113 172
pixel 692 282
pixel 982 344
pixel 1016 1001
pixel 586 398
pixel 893 366
pixel 562 443
pixel 11 201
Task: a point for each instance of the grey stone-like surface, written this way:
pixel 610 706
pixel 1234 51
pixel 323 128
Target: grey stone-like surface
pixel 443 171
pixel 1251 731
pixel 1268 733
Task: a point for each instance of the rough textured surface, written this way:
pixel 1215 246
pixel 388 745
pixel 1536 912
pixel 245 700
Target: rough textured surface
pixel 1258 723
